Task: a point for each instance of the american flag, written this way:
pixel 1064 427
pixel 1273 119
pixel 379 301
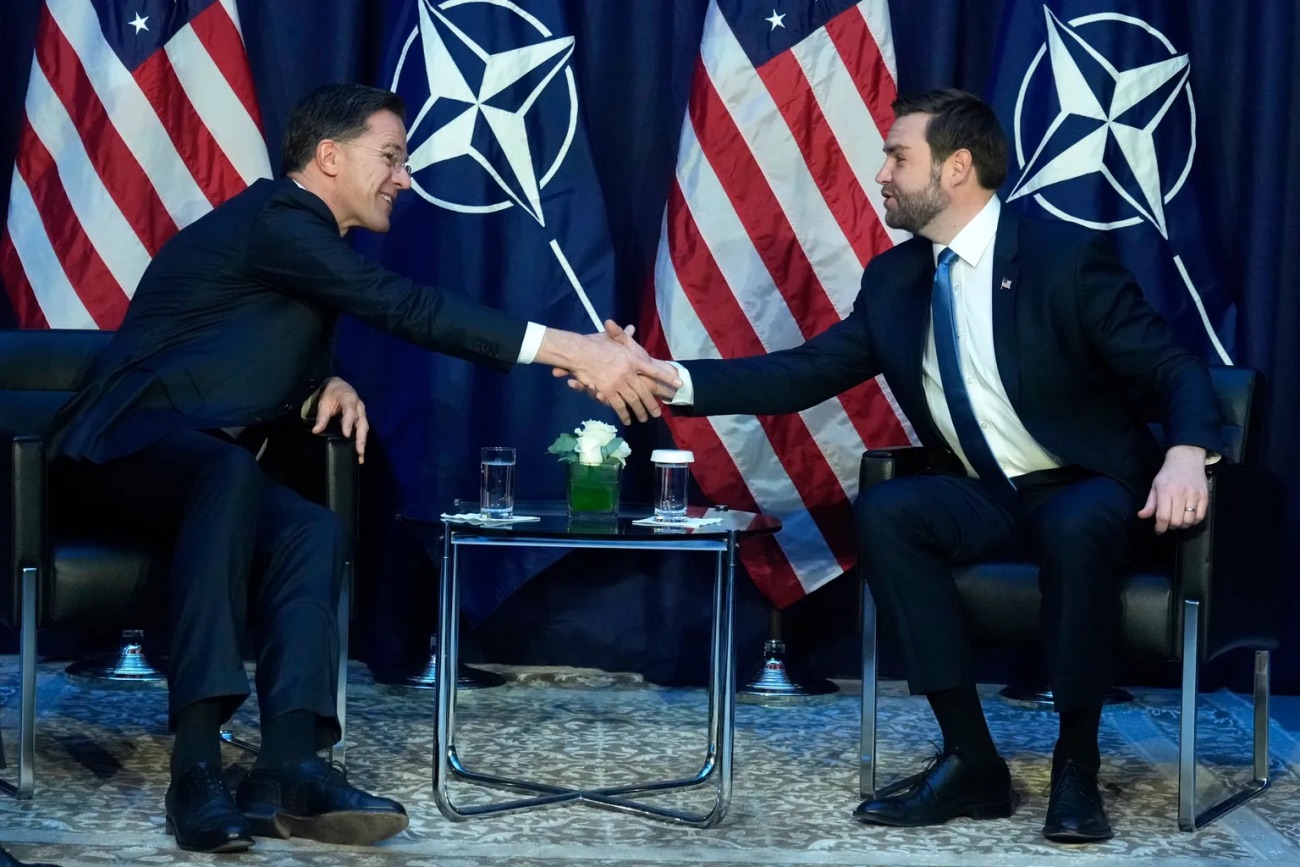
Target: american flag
pixel 770 222
pixel 140 118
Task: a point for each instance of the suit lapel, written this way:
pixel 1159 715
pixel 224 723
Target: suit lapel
pixel 914 329
pixel 916 309
pixel 1006 269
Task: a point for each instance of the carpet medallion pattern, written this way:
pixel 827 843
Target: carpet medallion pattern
pixel 102 772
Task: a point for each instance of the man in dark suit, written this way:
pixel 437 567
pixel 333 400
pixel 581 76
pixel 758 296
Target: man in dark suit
pixel 1025 357
pixel 229 331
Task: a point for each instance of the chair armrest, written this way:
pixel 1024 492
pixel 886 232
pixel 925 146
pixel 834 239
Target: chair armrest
pixel 1232 561
pixel 22 544
pixel 879 465
pixel 341 478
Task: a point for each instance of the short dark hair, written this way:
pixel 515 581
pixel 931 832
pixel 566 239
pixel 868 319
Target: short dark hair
pixel 961 120
pixel 335 111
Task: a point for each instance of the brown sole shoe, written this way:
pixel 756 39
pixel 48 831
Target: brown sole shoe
pixel 350 828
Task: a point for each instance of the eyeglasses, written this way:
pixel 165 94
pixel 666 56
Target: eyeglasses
pixel 395 160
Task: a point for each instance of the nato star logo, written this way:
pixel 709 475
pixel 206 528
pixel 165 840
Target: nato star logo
pixel 1109 126
pixel 480 107
pixel 498 111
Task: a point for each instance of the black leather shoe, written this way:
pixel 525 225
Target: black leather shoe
pixel 1074 810
pixel 202 815
pixel 950 788
pixel 314 800
pixel 7 860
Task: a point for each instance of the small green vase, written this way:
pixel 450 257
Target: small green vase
pixel 593 491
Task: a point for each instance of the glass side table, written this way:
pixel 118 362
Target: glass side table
pixel 554 530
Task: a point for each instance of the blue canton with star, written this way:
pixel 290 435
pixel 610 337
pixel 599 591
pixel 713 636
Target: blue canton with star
pixel 766 28
pixel 138 28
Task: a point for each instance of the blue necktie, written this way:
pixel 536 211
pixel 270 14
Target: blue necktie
pixel 973 443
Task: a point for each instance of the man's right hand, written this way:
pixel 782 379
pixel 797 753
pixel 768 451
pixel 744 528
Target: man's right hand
pixel 662 388
pixel 612 368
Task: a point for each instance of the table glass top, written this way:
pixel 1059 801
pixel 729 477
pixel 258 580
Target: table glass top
pixel 554 522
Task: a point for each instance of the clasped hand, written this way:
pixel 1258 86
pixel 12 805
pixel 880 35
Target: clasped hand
pixel 619 373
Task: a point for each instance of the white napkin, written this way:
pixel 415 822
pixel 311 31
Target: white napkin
pixel 477 518
pixel 688 523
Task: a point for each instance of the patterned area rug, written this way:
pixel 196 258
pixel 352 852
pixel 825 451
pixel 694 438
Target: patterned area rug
pixel 102 760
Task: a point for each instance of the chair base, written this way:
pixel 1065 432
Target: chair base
pixel 128 668
pixel 427 677
pixel 1035 698
pixel 1191 813
pixel 773 682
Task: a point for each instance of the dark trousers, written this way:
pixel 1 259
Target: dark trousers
pixel 1076 526
pixel 250 559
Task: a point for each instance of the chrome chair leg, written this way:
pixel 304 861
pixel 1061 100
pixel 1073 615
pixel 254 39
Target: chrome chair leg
pixel 1188 817
pixel 867 742
pixel 1187 721
pixel 26 773
pixel 339 752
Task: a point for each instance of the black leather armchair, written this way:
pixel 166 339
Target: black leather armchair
pixel 75 577
pixel 1213 588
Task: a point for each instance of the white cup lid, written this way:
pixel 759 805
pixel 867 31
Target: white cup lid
pixel 672 456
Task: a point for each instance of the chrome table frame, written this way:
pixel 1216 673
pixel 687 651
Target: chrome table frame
pixel 717 766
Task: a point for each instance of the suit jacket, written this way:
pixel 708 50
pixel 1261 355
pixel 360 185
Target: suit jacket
pixel 1085 361
pixel 232 321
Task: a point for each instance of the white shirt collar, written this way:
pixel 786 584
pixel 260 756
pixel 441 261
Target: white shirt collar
pixel 976 237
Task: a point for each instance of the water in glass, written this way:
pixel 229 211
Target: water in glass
pixel 671 469
pixel 497 483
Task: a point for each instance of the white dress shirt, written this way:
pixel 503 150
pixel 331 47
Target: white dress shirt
pixel 972 281
pixel 972 290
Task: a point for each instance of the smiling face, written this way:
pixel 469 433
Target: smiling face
pixel 370 173
pixel 909 180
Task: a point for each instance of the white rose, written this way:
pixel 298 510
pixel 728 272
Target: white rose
pixel 593 436
pixel 589 452
pixel 620 454
pixel 597 431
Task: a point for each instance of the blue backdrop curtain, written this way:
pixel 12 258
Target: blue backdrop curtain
pixel 634 60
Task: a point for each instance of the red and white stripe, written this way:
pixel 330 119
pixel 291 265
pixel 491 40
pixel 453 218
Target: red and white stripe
pixel 111 163
pixel 770 222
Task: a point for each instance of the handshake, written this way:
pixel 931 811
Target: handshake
pixel 612 368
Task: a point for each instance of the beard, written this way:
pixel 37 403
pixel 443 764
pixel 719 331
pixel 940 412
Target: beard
pixel 914 211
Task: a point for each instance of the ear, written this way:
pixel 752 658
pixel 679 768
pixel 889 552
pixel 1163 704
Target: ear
pixel 329 156
pixel 960 167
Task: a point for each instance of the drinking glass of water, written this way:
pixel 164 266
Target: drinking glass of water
pixel 671 470
pixel 496 493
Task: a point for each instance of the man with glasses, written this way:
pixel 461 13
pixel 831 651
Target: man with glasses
pixel 228 331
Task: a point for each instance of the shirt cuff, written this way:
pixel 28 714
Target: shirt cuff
pixel 532 342
pixel 685 395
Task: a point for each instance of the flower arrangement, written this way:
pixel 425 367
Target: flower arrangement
pixel 594 443
pixel 596 455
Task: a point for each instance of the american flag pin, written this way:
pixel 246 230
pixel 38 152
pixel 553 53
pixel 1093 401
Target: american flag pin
pixel 1006 282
